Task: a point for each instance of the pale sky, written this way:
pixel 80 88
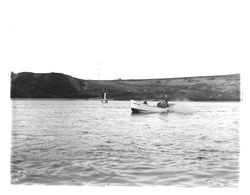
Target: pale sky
pixel 125 39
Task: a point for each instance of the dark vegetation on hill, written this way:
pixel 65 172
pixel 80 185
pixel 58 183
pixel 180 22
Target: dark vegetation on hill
pixel 56 85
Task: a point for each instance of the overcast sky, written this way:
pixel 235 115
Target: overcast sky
pixel 125 39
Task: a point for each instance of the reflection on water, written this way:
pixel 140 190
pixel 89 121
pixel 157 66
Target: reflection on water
pixel 85 142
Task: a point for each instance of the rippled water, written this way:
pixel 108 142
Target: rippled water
pixel 83 142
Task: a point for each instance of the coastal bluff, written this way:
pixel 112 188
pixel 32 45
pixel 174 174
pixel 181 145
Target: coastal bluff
pixel 57 85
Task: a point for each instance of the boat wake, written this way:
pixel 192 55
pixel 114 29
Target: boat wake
pixel 182 109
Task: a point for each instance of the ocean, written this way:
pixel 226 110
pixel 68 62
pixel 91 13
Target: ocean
pixel 85 142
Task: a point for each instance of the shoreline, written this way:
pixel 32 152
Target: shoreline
pixel 99 99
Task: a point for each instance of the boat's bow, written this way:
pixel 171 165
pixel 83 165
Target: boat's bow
pixel 137 107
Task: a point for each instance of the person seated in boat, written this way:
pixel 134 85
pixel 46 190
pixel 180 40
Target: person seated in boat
pixel 145 102
pixel 163 103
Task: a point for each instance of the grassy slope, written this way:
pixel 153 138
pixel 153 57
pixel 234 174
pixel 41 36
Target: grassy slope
pixel 55 85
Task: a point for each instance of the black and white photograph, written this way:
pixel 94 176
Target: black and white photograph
pixel 179 131
pixel 125 93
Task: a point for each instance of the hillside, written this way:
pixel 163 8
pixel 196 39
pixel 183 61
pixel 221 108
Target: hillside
pixel 56 85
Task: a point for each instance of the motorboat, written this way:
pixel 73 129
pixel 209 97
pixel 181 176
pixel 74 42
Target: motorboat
pixel 140 107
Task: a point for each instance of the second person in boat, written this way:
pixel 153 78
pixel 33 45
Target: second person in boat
pixel 163 103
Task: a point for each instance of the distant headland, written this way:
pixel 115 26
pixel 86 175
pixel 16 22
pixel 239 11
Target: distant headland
pixel 57 85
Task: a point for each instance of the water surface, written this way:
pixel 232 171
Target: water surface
pixel 85 142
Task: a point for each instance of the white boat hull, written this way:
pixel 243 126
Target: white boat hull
pixel 139 107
